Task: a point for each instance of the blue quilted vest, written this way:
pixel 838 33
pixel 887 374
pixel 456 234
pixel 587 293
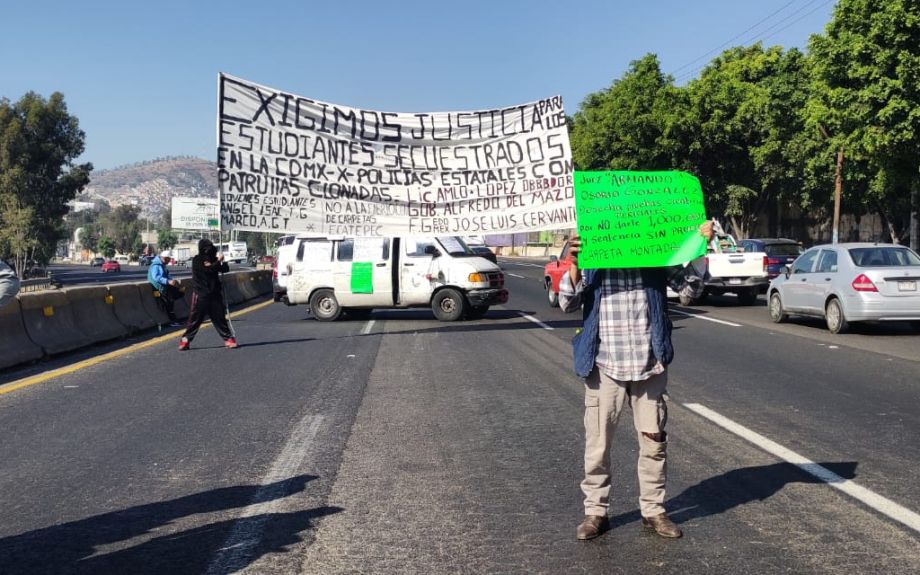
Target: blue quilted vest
pixel 585 342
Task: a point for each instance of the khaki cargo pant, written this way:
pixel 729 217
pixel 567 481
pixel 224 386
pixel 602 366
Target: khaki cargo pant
pixel 604 401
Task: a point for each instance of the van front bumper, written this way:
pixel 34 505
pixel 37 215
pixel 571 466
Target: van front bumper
pixel 482 297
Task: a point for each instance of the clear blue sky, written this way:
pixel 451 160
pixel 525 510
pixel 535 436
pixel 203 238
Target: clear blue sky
pixel 142 77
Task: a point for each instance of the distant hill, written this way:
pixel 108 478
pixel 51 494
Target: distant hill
pixel 152 184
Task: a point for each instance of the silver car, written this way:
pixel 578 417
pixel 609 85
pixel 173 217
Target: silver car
pixel 850 282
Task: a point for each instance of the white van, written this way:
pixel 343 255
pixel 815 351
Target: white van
pixel 355 275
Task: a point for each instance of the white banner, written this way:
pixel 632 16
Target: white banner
pixel 195 213
pixel 288 163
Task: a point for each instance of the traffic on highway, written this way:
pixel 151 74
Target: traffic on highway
pixel 342 447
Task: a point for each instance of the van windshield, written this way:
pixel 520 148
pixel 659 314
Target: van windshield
pixel 455 246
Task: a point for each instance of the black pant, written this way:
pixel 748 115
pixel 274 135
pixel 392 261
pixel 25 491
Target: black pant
pixel 211 306
pixel 167 299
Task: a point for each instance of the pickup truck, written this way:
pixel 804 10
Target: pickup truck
pixel 732 270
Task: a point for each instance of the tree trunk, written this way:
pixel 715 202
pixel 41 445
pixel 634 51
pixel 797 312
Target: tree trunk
pixel 915 219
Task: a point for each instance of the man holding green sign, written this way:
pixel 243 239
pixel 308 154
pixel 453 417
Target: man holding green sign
pixel 635 231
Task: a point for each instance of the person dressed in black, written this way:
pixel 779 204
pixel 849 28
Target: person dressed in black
pixel 207 296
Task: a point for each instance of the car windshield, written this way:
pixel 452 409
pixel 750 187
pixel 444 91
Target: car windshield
pixel 455 246
pixel 879 256
pixel 777 250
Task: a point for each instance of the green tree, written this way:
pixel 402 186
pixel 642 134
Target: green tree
pixel 39 141
pixel 866 98
pixel 641 122
pixel 122 226
pixel 15 238
pixel 747 104
pixel 166 239
pixel 107 246
pixel 89 237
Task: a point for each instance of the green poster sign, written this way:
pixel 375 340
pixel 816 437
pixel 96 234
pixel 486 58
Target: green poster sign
pixel 638 219
pixel 362 277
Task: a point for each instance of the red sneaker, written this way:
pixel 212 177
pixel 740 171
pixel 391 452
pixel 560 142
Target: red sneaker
pixel 231 343
pixel 183 344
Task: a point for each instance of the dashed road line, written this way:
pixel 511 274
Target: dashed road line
pixel 368 327
pixel 536 321
pixel 881 504
pixel 698 316
pixel 516 276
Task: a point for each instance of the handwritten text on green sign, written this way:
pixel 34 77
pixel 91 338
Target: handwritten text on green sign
pixel 638 219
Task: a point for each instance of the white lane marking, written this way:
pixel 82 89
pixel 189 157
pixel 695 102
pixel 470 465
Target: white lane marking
pixel 522 264
pixel 246 535
pixel 881 504
pixel 536 321
pixel 516 276
pixel 697 316
pixel 368 327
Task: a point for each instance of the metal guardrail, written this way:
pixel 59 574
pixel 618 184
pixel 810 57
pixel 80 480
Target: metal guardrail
pixel 37 284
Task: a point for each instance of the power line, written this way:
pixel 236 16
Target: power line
pixel 729 41
pixel 762 35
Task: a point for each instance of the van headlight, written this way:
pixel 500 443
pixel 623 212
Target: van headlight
pixel 478 278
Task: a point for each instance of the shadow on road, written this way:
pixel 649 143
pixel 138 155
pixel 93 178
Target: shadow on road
pixel 75 547
pixel 737 487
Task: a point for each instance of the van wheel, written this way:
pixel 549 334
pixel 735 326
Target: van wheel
pixel 477 312
pixel 324 305
pixel 833 314
pixel 551 295
pixel 747 297
pixel 777 313
pixel 448 305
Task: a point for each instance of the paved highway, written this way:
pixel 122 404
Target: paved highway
pixel 403 445
pixel 72 275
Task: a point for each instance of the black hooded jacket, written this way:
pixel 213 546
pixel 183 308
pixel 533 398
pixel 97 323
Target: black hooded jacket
pixel 206 270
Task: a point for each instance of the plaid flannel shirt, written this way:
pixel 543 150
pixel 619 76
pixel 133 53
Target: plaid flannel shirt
pixel 625 350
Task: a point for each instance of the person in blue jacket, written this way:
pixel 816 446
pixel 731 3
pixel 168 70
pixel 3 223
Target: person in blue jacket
pixel 622 352
pixel 159 278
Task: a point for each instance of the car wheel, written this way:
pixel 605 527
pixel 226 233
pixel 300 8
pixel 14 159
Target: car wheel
pixel 477 312
pixel 686 300
pixel 324 305
pixel 448 305
pixel 777 313
pixel 747 297
pixel 551 295
pixel 833 314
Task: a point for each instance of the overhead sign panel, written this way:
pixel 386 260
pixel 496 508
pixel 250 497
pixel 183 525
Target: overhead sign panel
pixel 287 163
pixel 195 213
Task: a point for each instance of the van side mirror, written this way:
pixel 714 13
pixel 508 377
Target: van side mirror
pixel 787 270
pixel 432 251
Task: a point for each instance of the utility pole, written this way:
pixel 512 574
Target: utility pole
pixel 914 217
pixel 838 185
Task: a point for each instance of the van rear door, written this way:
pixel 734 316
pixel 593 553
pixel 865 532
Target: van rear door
pixel 362 272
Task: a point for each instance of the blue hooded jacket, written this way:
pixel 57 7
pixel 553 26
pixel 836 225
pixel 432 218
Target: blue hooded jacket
pixel 158 275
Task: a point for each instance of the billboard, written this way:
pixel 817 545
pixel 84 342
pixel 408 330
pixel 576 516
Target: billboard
pixel 195 214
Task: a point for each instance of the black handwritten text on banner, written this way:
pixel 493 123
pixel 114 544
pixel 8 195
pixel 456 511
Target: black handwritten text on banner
pixel 288 163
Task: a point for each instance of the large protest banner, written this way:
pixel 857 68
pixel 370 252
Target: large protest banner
pixel 639 219
pixel 292 164
pixel 195 214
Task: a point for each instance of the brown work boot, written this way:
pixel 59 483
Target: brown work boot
pixel 592 526
pixel 662 525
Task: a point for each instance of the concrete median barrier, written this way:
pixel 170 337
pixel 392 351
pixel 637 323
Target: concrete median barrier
pixel 151 305
pixel 49 321
pixel 232 288
pixel 94 314
pixel 128 307
pixel 247 285
pixel 15 345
